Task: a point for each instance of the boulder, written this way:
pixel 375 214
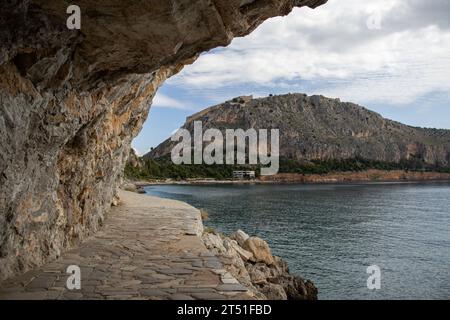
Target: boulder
pixel 257 274
pixel 214 243
pixel 240 236
pixel 260 250
pixel 244 254
pixel 265 276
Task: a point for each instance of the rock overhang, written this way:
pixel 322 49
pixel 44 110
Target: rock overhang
pixel 72 101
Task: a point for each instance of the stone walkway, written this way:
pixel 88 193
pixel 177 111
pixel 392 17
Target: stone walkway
pixel 149 248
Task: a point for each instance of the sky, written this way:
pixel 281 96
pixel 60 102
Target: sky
pixel 391 56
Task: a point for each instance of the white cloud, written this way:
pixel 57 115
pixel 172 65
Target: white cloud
pixel 332 49
pixel 163 101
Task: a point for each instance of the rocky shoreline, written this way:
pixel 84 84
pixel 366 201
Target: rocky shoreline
pixel 250 261
pixel 291 178
pixel 153 248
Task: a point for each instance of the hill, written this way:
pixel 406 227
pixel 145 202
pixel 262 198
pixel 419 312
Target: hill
pixel 320 129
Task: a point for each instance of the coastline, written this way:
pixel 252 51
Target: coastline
pixel 152 248
pixel 368 176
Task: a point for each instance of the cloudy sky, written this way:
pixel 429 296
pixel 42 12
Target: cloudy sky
pixel 392 56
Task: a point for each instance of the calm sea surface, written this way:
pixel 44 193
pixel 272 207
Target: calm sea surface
pixel 330 234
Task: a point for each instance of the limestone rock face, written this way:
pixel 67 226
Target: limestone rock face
pixel 133 160
pixel 71 102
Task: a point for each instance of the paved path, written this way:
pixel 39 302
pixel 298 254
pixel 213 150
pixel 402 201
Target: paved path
pixel 149 248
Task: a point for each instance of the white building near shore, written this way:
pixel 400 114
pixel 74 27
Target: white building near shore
pixel 244 174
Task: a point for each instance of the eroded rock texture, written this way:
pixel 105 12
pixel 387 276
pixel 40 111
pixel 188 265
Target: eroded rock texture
pixel 71 102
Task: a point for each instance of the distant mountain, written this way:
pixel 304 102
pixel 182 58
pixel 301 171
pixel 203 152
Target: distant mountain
pixel 320 128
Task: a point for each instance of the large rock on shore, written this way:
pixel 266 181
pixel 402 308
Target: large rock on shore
pixel 267 276
pixel 260 250
pixel 72 101
pixel 240 236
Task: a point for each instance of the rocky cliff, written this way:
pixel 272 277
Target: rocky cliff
pixel 72 100
pixel 319 128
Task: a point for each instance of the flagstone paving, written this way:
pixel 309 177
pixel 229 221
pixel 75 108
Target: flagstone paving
pixel 149 248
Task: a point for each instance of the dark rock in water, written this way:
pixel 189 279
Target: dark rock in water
pixel 71 102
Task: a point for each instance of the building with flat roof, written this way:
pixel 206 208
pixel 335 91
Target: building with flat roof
pixel 244 174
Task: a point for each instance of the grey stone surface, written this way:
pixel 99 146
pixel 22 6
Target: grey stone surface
pixel 149 270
